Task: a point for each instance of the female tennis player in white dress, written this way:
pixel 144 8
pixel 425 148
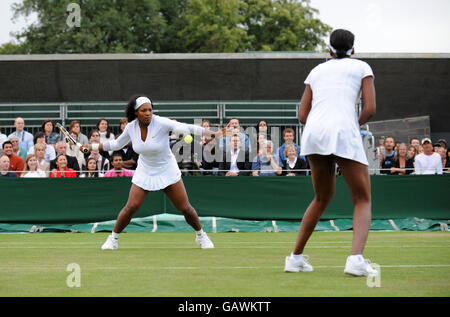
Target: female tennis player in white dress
pixel 157 167
pixel 332 135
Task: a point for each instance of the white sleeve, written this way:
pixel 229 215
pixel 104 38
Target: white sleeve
pixel 181 128
pixel 366 71
pixel 120 142
pixel 439 165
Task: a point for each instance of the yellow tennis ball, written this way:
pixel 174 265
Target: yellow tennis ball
pixel 188 138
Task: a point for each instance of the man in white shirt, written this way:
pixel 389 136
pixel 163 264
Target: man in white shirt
pixel 428 162
pixel 25 138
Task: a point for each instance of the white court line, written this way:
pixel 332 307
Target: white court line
pixel 192 246
pixel 58 267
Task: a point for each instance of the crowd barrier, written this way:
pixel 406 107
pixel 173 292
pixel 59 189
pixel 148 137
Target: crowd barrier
pixel 75 201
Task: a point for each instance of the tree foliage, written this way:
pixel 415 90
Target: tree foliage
pixel 163 26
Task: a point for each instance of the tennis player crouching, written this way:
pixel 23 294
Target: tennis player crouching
pixel 157 167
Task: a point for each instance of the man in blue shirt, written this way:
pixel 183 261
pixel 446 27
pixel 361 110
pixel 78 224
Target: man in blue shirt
pixel 25 138
pixel 387 158
pixel 266 164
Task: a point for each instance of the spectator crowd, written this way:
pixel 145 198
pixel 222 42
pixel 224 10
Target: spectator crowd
pixel 48 154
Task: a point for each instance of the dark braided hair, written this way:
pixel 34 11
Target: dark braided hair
pixel 130 112
pixel 342 40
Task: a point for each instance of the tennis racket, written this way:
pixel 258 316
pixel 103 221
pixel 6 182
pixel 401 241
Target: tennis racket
pixel 70 138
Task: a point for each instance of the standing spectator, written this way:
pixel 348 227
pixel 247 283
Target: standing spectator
pixel 266 164
pixel 16 148
pixel 387 156
pixel 16 163
pixel 71 161
pixel 50 153
pixel 4 167
pixel 443 143
pixel 42 164
pixel 105 132
pixel 236 160
pixel 75 126
pixel 293 162
pixel 262 138
pixel 428 162
pixel 48 127
pixel 90 170
pixel 61 169
pixel 402 163
pixel 25 138
pixel 118 170
pixel 31 168
pixel 288 136
pixel 262 127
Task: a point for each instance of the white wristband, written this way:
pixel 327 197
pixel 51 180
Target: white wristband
pixel 95 146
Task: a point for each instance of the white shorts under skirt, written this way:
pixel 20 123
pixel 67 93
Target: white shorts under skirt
pixel 146 180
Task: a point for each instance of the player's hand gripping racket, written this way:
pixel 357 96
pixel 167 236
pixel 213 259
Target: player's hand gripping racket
pixel 71 139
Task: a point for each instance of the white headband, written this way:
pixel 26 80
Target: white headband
pixel 349 52
pixel 140 101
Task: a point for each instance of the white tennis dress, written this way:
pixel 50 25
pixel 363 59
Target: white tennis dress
pixel 157 167
pixel 332 125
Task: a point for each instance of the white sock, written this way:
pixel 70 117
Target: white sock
pixel 297 257
pixel 357 257
pixel 115 235
pixel 200 232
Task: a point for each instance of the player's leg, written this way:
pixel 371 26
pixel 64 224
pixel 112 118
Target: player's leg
pixel 136 198
pixel 357 177
pixel 179 198
pixel 323 179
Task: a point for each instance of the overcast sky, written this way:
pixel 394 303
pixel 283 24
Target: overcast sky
pixel 388 26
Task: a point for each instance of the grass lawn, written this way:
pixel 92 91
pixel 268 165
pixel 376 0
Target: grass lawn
pixel 241 265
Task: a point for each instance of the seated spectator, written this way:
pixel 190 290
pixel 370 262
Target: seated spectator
pixel 207 125
pixel 16 163
pixel 412 152
pixel 74 150
pixel 50 153
pixel 235 160
pixel 443 153
pixel 118 170
pixel 94 137
pixel 130 157
pixel 16 148
pixel 447 161
pixel 31 168
pixel 105 132
pixel 402 163
pixel 90 170
pixel 75 126
pixel 72 162
pixel 262 138
pixel 3 138
pixel 387 157
pixel 293 162
pixel 42 164
pixel 4 167
pixel 48 127
pixel 267 163
pixel 288 136
pixel 25 138
pixel 232 125
pixel 416 143
pixel 428 162
pixel 61 169
pixel 262 128
pixel 103 164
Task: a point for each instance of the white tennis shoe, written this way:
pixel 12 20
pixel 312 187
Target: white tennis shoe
pixel 204 241
pixel 111 243
pixel 358 266
pixel 302 265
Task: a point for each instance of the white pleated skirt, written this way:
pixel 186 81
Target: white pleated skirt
pixel 152 180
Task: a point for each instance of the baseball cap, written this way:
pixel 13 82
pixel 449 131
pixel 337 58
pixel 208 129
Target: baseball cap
pixel 424 140
pixel 443 140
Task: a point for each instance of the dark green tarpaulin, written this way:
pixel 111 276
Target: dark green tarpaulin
pixel 253 198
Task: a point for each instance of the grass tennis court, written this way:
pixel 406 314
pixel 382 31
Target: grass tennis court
pixel 241 265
